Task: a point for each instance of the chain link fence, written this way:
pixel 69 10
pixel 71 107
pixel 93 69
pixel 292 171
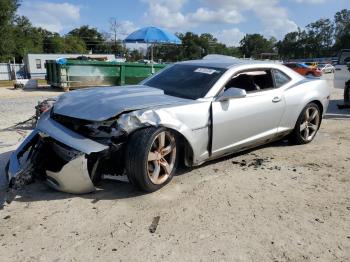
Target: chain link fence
pixel 12 71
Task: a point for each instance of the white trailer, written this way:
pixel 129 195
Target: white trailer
pixel 35 63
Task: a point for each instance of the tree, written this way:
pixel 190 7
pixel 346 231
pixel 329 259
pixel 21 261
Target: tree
pixel 116 30
pixel 8 10
pixel 289 46
pixel 92 38
pixel 320 37
pixel 254 44
pixel 53 44
pixel 27 39
pixel 342 29
pixel 73 44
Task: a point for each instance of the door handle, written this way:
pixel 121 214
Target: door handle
pixel 276 99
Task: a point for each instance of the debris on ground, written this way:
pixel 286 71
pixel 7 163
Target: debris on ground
pixel 127 224
pixel 24 177
pixel 256 163
pixel 30 123
pixel 153 226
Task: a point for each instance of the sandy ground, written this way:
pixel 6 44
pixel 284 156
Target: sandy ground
pixel 275 203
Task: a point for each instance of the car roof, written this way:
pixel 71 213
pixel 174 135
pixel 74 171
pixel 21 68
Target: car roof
pixel 224 63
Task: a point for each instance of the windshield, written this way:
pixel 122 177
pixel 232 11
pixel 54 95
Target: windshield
pixel 187 81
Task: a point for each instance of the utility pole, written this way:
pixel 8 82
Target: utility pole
pixel 115 30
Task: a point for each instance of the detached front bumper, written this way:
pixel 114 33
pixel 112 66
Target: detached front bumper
pixel 68 172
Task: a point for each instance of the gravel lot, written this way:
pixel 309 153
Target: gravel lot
pixel 275 203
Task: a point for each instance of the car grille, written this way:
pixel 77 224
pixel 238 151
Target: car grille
pixel 77 125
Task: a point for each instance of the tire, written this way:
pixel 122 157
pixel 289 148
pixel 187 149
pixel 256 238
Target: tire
pixel 7 171
pixel 151 158
pixel 305 128
pixel 347 93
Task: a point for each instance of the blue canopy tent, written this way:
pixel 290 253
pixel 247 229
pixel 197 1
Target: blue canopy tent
pixel 152 35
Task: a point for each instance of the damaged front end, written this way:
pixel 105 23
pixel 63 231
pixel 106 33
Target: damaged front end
pixel 63 158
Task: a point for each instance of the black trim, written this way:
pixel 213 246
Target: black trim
pixel 210 130
pixel 250 70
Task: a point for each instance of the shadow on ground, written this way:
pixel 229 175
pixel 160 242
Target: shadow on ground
pixel 333 112
pixel 39 89
pixel 106 190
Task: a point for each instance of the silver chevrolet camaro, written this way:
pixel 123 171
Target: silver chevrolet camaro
pixel 190 112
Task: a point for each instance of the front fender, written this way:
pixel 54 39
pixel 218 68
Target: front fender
pixel 191 121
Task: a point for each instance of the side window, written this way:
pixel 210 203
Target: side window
pixel 280 78
pixel 252 81
pixel 38 63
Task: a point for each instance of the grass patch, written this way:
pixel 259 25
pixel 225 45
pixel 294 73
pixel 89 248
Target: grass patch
pixel 4 83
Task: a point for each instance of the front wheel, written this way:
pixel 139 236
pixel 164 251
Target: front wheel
pixel 151 158
pixel 307 125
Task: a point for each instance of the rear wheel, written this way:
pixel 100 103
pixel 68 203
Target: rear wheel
pixel 7 171
pixel 347 93
pixel 307 125
pixel 151 158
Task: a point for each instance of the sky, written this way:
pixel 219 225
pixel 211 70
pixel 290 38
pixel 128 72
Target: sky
pixel 227 20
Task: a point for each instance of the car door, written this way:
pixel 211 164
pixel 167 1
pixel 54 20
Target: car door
pixel 239 123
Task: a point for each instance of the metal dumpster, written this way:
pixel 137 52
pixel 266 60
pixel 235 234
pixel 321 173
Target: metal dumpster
pixel 80 73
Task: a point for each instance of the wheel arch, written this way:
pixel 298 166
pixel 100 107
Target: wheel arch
pixel 315 101
pixel 186 153
pixel 186 149
pixel 319 104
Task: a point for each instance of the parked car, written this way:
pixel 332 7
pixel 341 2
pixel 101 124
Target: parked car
pixel 312 65
pixel 304 69
pixel 326 68
pixel 190 112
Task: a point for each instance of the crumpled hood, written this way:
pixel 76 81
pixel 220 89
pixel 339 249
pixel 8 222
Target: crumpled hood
pixel 102 103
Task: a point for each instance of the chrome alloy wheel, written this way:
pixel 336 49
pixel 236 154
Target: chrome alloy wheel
pixel 310 123
pixel 161 157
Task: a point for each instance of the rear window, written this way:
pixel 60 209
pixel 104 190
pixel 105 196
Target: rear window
pixel 280 78
pixel 186 81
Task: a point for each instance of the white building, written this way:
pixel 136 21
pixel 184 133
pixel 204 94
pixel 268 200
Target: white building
pixel 35 63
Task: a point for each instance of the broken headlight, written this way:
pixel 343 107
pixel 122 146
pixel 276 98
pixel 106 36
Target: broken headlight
pixel 106 129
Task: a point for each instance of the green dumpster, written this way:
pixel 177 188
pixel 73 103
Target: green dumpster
pixel 80 73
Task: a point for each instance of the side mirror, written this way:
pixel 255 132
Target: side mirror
pixel 232 92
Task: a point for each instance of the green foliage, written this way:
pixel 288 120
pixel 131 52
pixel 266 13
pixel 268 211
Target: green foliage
pixel 92 38
pixel 8 10
pixel 252 45
pixel 193 47
pixel 342 29
pixel 73 44
pixel 324 37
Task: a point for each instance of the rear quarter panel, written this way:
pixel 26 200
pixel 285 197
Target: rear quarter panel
pixel 299 95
